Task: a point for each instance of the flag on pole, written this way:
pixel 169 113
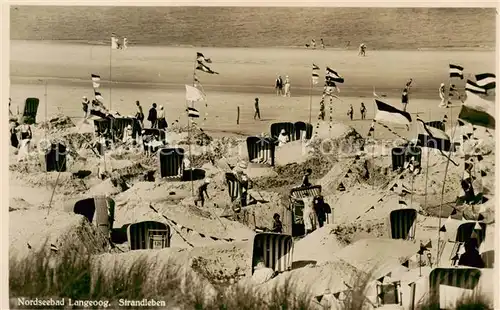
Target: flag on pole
pixel 433 137
pixel 200 57
pixel 192 112
pixel 332 75
pixel 98 96
pixel 478 111
pixel 204 68
pixel 194 94
pixel 388 113
pixel 315 74
pixel 486 80
pixel 472 87
pixel 96 79
pixel 456 71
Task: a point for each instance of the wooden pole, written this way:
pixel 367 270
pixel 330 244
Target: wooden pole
pixel 110 76
pixel 310 102
pixel 238 116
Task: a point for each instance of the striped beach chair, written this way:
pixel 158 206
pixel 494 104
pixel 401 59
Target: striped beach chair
pixel 275 250
pixel 262 149
pixel 234 188
pixel 171 163
pixel 148 235
pixel 450 284
pixel 287 126
pixel 293 223
pixel 30 110
pixel 119 125
pixel 300 128
pixel 55 158
pixel 402 223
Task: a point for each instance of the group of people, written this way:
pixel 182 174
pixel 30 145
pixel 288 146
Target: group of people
pixel 313 44
pixel 362 110
pixel 282 88
pixel 445 100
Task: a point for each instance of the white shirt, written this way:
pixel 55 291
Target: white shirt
pixel 282 139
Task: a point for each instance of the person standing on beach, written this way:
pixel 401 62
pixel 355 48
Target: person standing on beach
pixel 442 90
pixel 152 116
pixel 202 191
pixel 404 98
pixel 305 179
pixel 257 109
pixel 277 225
pixel 322 44
pixel 350 112
pixel 85 108
pixel 139 115
pixel 279 86
pixel 363 111
pixel 287 87
pixel 309 216
pixel 162 123
pixel 313 44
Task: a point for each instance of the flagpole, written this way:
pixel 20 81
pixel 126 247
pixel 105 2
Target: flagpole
pixel 442 196
pixel 426 174
pixel 189 132
pixel 110 76
pixel 310 102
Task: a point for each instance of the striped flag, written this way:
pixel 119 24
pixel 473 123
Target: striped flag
pixel 478 111
pixel 388 113
pixel 204 68
pixel 315 74
pixel 98 96
pixel 486 80
pixel 193 94
pixel 192 112
pixel 333 76
pixel 456 71
pixel 96 79
pixel 200 57
pixel 474 88
pixel 433 137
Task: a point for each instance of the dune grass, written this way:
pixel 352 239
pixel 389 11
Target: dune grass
pixel 69 274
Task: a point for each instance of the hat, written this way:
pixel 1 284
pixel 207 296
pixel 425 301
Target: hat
pixel 84 97
pixel 442 84
pixel 207 180
pixel 276 215
pixel 283 131
pixel 129 126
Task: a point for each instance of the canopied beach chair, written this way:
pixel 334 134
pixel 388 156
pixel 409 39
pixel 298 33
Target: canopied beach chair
pixel 402 223
pixel 402 155
pixel 30 110
pixel 234 188
pixel 148 235
pixel 55 158
pixel 99 210
pixel 120 124
pixel 171 163
pixel 274 250
pixel 465 232
pixel 262 149
pixel 293 222
pixel 300 128
pixel 287 126
pixel 448 285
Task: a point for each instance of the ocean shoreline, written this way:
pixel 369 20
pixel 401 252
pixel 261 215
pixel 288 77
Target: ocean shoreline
pixel 351 48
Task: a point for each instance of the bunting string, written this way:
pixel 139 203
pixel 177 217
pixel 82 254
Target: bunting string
pixel 390 130
pixel 179 227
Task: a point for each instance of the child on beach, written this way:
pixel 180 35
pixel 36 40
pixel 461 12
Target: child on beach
pixel 350 112
pixel 363 111
pixel 257 109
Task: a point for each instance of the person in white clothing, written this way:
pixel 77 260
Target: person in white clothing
pixel 442 90
pixel 127 135
pixel 283 138
pixel 309 216
pixel 262 274
pixel 287 86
